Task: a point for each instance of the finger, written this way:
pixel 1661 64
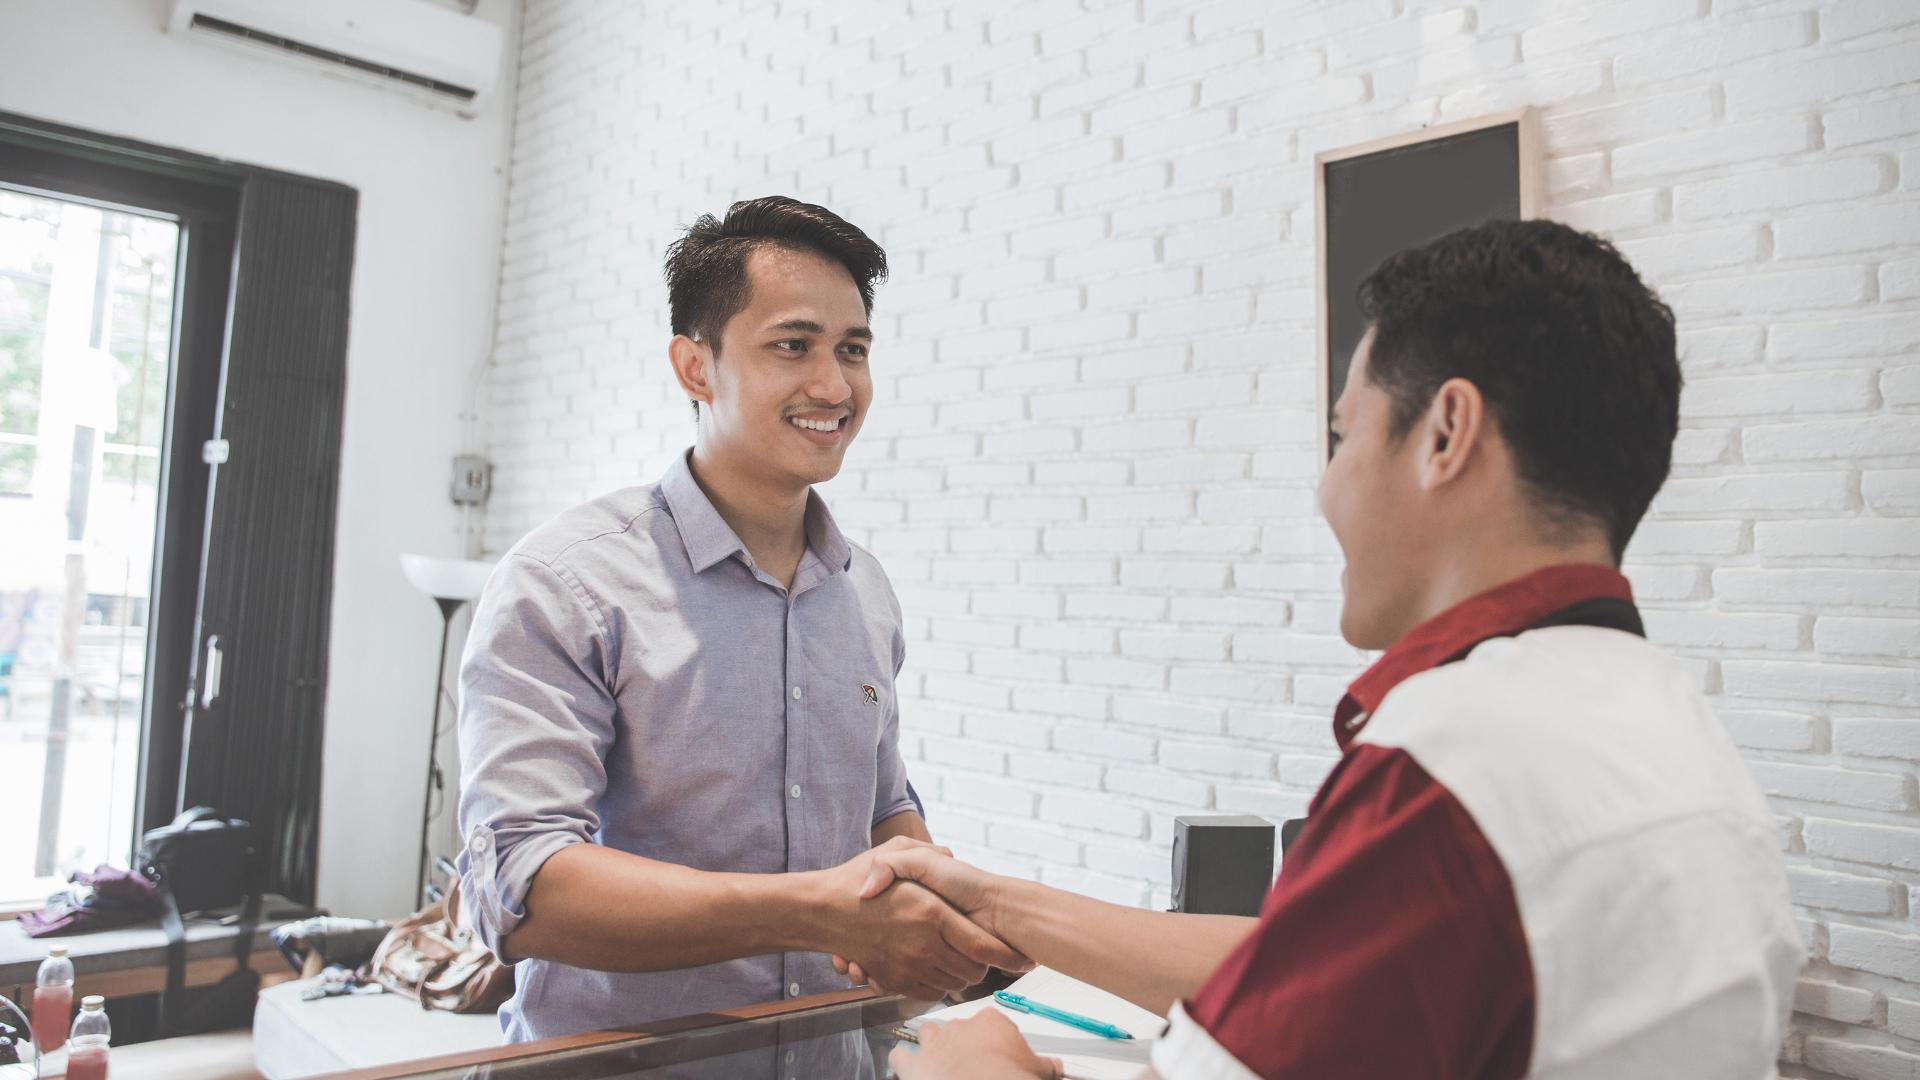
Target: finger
pixel 977 945
pixel 840 964
pixel 904 1063
pixel 879 880
pixel 1056 1069
pixel 956 971
pixel 995 1018
pixel 911 864
pixel 858 974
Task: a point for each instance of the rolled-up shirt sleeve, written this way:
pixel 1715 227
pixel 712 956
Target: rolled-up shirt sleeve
pixel 536 722
pixel 890 772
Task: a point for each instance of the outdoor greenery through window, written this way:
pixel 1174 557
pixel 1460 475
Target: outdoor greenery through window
pixel 86 320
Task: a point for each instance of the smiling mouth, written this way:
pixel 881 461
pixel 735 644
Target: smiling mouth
pixel 823 426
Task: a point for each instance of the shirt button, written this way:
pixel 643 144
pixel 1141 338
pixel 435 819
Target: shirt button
pixel 796 693
pixel 793 989
pixel 478 843
pixel 794 791
pixel 789 1057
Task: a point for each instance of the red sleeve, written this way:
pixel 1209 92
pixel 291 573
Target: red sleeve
pixel 1390 946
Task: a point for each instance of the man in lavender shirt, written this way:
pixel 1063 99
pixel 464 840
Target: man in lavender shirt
pixel 678 726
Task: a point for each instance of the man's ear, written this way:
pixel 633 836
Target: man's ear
pixel 693 366
pixel 1452 432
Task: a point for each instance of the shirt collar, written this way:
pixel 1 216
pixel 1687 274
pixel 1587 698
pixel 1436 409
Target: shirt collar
pixel 710 540
pixel 1500 611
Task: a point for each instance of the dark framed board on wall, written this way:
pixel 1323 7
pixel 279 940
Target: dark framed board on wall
pixel 1400 191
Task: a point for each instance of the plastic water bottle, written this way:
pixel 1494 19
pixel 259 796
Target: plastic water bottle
pixel 53 1000
pixel 87 1056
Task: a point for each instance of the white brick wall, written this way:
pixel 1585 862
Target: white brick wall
pixel 1091 462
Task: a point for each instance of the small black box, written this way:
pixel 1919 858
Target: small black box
pixel 1222 865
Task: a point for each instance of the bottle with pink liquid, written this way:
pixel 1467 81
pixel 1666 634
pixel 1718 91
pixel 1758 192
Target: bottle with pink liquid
pixel 87 1051
pixel 53 1000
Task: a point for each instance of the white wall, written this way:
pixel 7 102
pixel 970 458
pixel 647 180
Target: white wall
pixel 431 190
pixel 1090 465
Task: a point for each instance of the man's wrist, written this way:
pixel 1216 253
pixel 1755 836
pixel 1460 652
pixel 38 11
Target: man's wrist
pixel 803 900
pixel 1002 905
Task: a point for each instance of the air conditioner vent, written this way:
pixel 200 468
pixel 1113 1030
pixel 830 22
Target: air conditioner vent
pixel 254 36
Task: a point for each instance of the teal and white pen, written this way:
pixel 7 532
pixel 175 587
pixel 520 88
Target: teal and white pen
pixel 1084 1023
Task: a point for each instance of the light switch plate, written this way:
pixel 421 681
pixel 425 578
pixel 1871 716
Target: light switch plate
pixel 472 480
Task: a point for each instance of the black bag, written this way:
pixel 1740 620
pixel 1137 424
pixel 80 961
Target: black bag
pixel 203 861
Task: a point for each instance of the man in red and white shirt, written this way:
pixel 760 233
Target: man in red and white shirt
pixel 1539 854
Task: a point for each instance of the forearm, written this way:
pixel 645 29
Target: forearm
pixel 1151 958
pixel 906 823
pixel 594 907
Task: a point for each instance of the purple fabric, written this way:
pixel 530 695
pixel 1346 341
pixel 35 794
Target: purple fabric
pixel 632 679
pixel 98 899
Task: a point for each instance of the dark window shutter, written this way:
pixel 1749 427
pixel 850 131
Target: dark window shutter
pixel 255 753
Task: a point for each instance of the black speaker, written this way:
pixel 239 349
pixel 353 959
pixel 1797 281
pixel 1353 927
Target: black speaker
pixel 1222 865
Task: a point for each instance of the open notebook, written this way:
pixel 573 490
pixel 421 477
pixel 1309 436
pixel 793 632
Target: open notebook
pixel 1086 1056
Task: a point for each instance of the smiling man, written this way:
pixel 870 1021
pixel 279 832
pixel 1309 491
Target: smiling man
pixel 1539 854
pixel 678 721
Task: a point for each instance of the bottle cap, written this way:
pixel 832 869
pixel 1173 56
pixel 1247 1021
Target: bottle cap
pixel 57 952
pixel 93 1003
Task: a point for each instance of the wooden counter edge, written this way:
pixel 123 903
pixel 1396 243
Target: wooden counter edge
pixel 636 1034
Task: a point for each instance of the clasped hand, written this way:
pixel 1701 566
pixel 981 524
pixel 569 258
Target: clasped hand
pixel 900 936
pixel 986 1046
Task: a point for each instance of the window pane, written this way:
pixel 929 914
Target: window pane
pixel 86 309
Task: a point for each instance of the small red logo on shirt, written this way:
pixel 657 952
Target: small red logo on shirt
pixel 873 696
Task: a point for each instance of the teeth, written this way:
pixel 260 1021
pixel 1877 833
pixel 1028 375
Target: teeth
pixel 817 425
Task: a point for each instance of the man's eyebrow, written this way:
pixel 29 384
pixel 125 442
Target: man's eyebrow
pixel 808 326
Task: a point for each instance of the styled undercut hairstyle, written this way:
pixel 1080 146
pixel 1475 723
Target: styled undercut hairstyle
pixel 707 267
pixel 1572 352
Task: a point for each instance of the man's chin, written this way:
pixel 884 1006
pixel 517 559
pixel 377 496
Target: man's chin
pixel 818 472
pixel 1361 632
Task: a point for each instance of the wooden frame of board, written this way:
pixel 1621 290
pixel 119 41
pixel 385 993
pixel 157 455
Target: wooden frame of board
pixel 1532 191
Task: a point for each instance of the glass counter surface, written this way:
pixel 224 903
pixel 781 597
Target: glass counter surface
pixel 845 1035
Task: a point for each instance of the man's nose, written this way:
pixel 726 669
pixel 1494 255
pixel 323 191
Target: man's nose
pixel 826 382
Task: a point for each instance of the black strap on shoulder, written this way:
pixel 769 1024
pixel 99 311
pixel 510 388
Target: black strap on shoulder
pixel 1606 612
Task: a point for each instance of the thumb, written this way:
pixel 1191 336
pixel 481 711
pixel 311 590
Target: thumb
pixel 905 864
pixel 881 876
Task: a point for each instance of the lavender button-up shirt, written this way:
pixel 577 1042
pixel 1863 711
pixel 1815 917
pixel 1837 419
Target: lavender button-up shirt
pixel 633 679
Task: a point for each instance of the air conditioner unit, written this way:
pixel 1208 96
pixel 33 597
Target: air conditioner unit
pixel 430 52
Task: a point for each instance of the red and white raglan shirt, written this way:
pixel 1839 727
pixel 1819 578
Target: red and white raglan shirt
pixel 1539 855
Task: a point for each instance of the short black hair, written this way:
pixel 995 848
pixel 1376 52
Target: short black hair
pixel 707 267
pixel 1573 353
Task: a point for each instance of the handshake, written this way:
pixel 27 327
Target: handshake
pixel 908 918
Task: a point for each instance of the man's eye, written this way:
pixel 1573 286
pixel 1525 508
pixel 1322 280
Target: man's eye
pixel 1333 440
pixel 858 352
pixel 791 345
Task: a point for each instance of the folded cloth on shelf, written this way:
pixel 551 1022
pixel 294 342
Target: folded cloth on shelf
pixel 97 899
